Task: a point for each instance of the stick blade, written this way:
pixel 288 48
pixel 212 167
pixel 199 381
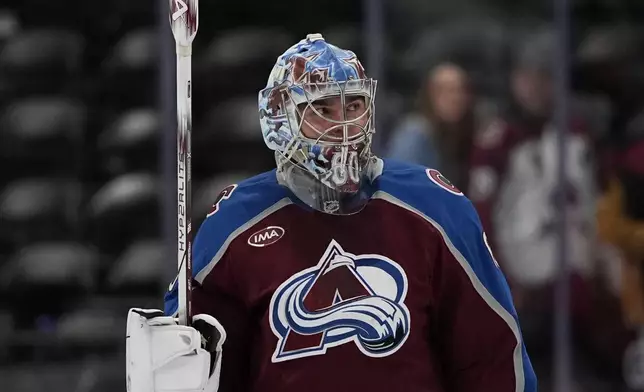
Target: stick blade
pixel 184 20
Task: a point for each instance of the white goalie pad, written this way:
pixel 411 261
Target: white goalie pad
pixel 162 356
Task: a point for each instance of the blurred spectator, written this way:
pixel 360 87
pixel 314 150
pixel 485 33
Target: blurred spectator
pixel 438 134
pixel 514 184
pixel 531 83
pixel 620 219
pixel 622 225
pixel 610 66
pixel 513 180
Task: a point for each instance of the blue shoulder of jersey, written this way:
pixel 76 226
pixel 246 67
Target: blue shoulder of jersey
pixel 429 194
pixel 235 207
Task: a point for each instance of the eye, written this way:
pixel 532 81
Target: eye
pixel 321 110
pixel 355 106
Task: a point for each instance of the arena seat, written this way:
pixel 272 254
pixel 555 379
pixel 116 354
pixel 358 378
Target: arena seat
pixel 131 142
pixel 90 374
pixel 236 62
pixel 91 328
pixel 229 137
pixel 141 269
pixel 123 210
pixel 109 374
pixel 39 61
pixel 7 329
pixel 234 120
pixel 9 25
pixel 35 209
pixel 480 46
pixel 247 45
pixel 33 378
pixel 42 135
pixel 129 73
pixel 49 277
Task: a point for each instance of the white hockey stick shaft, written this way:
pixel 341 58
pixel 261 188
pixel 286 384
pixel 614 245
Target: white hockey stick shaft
pixel 184 22
pixel 184 182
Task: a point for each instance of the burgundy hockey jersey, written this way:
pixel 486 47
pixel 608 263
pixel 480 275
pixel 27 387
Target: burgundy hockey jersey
pixel 402 296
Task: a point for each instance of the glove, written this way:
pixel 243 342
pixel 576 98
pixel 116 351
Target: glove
pixel 162 356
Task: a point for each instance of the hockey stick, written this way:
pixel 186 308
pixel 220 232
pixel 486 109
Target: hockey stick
pixel 184 20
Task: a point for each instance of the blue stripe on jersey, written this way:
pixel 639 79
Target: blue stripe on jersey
pixel 249 199
pixel 459 221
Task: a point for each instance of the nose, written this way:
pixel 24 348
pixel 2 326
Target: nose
pixel 338 131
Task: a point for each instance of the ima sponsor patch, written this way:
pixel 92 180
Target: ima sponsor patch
pixel 266 236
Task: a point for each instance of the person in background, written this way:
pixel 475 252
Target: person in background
pixel 620 222
pixel 439 133
pixel 513 177
pixel 514 184
pixel 609 66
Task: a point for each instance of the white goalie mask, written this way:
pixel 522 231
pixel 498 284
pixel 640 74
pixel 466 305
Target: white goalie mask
pixel 317 114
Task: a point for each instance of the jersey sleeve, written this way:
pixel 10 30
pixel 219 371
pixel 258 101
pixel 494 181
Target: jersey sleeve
pixel 475 325
pixel 481 344
pixel 218 274
pixel 216 297
pixel 210 251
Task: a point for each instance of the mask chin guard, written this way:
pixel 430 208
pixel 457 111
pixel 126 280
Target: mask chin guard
pixel 314 193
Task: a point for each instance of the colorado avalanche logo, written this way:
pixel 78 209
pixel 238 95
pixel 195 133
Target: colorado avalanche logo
pixel 345 298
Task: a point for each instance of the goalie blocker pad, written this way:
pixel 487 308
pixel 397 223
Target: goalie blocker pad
pixel 162 356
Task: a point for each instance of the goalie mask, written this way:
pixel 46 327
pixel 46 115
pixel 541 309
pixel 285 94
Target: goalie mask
pixel 316 113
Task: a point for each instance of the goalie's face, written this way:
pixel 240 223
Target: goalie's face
pixel 335 119
pixel 321 128
pixel 338 129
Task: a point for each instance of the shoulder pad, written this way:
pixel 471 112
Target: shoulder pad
pixel 425 191
pixel 238 206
